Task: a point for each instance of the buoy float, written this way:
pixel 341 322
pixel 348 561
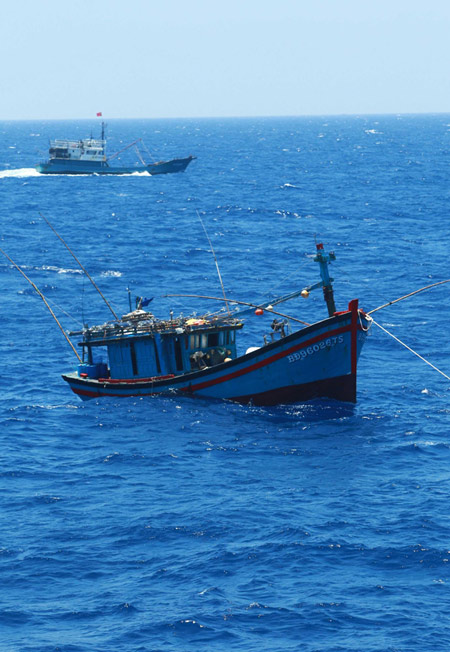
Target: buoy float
pixel 259 311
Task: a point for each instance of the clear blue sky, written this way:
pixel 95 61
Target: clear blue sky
pixel 194 58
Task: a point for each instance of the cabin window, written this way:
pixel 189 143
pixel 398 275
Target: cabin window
pixel 213 339
pixel 158 364
pixel 194 341
pixel 203 341
pixel 178 354
pixel 229 337
pixel 133 359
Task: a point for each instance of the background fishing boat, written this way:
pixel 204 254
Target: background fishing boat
pixel 88 156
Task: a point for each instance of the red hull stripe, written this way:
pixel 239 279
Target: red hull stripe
pixel 131 381
pixel 96 394
pixel 266 361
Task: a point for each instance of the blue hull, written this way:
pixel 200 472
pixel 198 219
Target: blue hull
pixel 61 166
pixel 319 361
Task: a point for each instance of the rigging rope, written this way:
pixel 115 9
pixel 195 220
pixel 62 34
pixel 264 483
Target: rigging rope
pixel 65 312
pixel 152 158
pixel 410 349
pixel 271 291
pixel 240 303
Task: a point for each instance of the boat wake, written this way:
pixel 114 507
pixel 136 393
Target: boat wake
pixel 19 173
pixel 23 173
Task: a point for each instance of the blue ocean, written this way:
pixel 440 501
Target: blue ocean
pixel 181 524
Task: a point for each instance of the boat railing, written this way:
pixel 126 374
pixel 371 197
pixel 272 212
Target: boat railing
pixel 141 327
pixel 74 144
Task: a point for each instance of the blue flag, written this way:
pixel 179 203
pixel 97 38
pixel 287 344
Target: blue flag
pixel 142 301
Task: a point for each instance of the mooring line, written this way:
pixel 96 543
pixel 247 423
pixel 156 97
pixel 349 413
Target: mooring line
pixel 410 349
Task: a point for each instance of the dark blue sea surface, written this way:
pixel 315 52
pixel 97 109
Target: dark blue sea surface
pixel 171 523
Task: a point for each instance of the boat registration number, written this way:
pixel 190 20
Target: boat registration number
pixel 315 348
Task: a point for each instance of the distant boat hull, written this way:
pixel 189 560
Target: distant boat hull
pixel 319 361
pixel 70 166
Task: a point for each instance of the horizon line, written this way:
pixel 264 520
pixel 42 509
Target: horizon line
pixel 236 117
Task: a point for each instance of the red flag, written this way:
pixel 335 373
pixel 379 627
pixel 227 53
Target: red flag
pixel 99 114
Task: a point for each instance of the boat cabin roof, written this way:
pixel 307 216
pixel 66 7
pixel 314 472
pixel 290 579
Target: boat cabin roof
pixel 75 144
pixel 140 323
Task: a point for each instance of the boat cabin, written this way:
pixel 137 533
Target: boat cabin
pixel 141 347
pixel 89 149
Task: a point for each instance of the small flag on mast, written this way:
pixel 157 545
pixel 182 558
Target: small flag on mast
pixel 99 114
pixel 142 301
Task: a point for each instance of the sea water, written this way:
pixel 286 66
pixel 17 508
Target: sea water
pixel 171 523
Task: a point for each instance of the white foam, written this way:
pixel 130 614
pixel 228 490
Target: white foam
pixel 32 172
pixel 111 272
pixel 60 270
pixel 20 173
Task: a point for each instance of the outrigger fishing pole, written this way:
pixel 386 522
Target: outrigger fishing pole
pixel 43 299
pixel 406 296
pixel 215 260
pixel 83 268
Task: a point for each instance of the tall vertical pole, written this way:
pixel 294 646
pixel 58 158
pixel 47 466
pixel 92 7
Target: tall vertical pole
pixel 323 259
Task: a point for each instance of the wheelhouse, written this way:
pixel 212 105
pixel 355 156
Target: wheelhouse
pixel 88 149
pixel 139 346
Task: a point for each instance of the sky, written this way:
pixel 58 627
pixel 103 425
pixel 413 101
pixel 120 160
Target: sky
pixel 208 58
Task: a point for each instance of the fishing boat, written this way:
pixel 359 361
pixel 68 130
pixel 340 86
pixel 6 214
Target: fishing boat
pixel 88 156
pixel 141 355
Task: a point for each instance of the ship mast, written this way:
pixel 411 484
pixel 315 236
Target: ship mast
pixel 326 283
pixel 323 259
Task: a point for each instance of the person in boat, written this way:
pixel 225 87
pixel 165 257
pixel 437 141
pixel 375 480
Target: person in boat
pixel 201 360
pixel 278 327
pixel 198 360
pixel 216 356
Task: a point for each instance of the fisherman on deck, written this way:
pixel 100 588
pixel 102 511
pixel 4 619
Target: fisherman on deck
pixel 278 326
